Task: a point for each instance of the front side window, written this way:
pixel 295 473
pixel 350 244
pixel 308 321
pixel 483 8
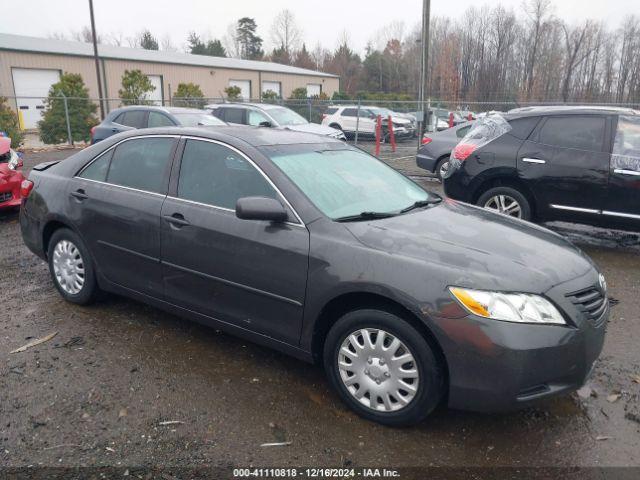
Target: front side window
pixel 215 175
pixel 348 182
pixel 141 164
pixel 461 132
pixel 285 117
pixel 255 118
pixel 574 131
pixel 626 147
pixel 159 120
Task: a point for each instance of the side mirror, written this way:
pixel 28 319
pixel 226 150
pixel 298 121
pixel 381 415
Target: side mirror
pixel 260 208
pixel 266 123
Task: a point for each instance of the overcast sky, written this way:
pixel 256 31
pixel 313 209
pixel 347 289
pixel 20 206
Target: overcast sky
pixel 321 21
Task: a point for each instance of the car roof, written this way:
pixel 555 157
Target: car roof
pixel 158 108
pixel 264 106
pixel 254 136
pixel 570 109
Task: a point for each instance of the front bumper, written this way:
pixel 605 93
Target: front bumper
pixel 499 366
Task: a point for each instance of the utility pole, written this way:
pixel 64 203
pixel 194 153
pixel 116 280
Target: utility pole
pixel 95 57
pixel 424 63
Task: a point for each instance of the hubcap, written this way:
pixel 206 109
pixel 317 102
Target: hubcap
pixel 505 205
pixel 444 168
pixel 378 370
pixel 68 267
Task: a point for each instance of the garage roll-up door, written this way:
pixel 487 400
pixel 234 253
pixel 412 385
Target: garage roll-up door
pixel 156 95
pixel 32 82
pixel 273 86
pixel 314 89
pixel 244 86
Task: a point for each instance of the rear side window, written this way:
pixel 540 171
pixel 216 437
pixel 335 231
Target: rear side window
pixel 132 118
pixel 522 127
pixel 574 131
pixel 331 110
pixel 234 115
pixel 97 170
pixel 349 112
pixel 626 147
pixel 461 132
pixel 141 164
pixel 216 175
pixel 159 120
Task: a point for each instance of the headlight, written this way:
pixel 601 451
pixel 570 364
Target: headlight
pixel 509 307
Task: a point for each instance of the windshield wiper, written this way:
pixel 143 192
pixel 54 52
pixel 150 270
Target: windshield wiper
pixel 365 216
pixel 422 203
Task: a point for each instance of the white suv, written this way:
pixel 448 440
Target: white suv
pixel 345 118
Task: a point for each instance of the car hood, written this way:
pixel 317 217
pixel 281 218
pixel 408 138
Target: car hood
pixel 477 248
pixel 313 128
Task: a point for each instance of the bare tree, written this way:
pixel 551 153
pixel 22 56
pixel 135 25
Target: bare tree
pixel 285 32
pixel 577 51
pixel 538 12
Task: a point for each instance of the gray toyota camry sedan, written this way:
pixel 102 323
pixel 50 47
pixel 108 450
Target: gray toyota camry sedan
pixel 317 249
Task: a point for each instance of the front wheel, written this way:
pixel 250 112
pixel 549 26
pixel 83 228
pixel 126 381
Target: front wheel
pixel 506 201
pixel 383 368
pixel 71 267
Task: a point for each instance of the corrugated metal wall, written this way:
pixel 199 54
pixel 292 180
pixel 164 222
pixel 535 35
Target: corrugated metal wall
pixel 212 81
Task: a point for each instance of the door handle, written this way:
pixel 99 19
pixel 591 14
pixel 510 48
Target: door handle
pixel 177 220
pixel 622 171
pixel 79 194
pixel 533 160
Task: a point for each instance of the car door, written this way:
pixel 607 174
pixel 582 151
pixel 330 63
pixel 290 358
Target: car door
pixel 252 274
pixel 348 119
pixel 566 164
pixel 116 203
pixel 623 196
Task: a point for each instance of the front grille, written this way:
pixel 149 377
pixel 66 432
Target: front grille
pixel 5 197
pixel 591 301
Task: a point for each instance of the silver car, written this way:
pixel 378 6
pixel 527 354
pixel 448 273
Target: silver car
pixel 436 147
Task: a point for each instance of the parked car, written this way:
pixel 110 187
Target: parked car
pixel 345 118
pixel 269 115
pixel 577 164
pixel 143 116
pixel 10 175
pixel 403 126
pixel 433 154
pixel 318 249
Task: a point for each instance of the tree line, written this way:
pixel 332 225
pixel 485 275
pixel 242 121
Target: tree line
pixel 490 54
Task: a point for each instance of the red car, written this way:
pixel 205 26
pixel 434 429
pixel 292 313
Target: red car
pixel 10 176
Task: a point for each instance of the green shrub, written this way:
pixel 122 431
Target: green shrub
pixel 233 93
pixel 188 95
pixel 9 124
pixel 135 88
pixel 53 126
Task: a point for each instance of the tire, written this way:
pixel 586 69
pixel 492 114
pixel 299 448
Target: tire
pixel 489 200
pixel 65 246
pixel 378 368
pixel 438 169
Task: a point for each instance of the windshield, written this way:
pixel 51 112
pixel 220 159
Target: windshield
pixel 286 117
pixel 343 183
pixel 195 119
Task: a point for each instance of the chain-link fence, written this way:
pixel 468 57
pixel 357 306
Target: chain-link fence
pixel 69 120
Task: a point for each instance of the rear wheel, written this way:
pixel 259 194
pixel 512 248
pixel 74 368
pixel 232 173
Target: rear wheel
pixel 506 201
pixel 382 367
pixel 71 267
pixel 442 167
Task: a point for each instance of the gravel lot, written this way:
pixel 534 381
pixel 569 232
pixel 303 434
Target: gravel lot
pixel 97 394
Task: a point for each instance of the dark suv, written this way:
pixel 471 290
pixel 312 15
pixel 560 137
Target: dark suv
pixel 576 164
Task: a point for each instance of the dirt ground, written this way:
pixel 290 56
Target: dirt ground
pixel 97 394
